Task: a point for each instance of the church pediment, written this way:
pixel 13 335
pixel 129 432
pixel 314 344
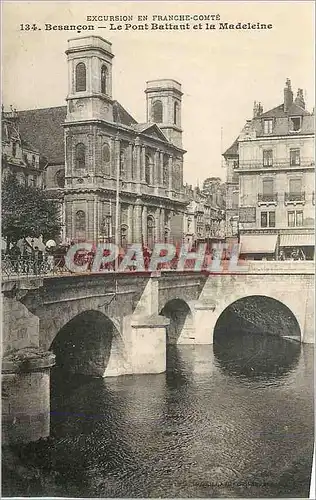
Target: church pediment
pixel 152 130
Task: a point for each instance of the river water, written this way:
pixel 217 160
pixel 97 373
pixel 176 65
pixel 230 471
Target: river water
pixel 230 420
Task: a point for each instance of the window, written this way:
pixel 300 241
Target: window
pixel 295 158
pixel 267 187
pixel 157 112
pixel 80 155
pixel 13 148
pixel 60 178
pixel 291 219
pixel 268 126
pixel 31 181
pixel 235 199
pixel 295 218
pixel 267 219
pixel 106 154
pixel 295 123
pixel 271 219
pixel 176 113
pixel 235 164
pixel 25 158
pixel 80 77
pixel 268 158
pixel 299 218
pixel 295 186
pixel 80 221
pixel 104 78
pixel 33 161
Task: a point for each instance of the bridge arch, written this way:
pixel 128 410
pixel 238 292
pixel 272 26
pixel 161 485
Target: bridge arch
pixel 257 314
pixel 85 343
pixel 180 328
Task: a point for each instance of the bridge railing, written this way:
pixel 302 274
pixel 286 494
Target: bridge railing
pixel 30 267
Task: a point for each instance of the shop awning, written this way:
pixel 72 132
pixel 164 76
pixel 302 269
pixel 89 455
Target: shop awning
pixel 258 243
pixel 297 240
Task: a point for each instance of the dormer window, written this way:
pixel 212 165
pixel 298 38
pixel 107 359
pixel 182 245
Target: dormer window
pixel 295 123
pixel 268 126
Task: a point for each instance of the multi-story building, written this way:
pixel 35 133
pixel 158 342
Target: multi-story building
pixel 275 166
pixel 203 222
pixel 19 157
pixel 232 193
pixel 117 179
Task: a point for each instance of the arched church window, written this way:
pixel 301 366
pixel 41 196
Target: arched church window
pixel 104 80
pixel 60 178
pixel 176 113
pixel 80 155
pixel 157 112
pixel 148 169
pixel 80 77
pixel 80 222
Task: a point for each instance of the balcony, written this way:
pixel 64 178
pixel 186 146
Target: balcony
pixel 267 199
pixel 294 198
pixel 277 164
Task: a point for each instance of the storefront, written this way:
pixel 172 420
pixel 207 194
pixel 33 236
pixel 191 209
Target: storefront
pixel 258 246
pixel 297 246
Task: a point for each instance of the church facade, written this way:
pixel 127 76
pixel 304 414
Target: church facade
pixel 117 180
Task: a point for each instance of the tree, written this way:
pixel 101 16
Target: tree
pixel 27 212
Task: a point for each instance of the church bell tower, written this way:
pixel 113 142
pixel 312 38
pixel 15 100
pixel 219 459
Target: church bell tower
pixel 164 108
pixel 89 79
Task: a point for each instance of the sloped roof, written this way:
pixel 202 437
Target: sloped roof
pixel 43 128
pixel 233 149
pixel 279 112
pixel 120 115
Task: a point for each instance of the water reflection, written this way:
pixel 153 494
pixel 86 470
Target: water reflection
pixel 196 431
pixel 255 356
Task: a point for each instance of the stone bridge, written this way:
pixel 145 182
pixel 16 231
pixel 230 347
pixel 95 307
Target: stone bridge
pixel 111 324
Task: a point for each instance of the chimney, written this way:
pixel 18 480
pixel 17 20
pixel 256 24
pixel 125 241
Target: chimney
pixel 257 109
pixel 299 101
pixel 288 95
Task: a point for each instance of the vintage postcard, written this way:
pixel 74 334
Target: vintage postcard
pixel 157 249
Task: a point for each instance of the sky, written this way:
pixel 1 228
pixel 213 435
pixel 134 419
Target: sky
pixel 222 72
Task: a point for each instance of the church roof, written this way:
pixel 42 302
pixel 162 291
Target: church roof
pixel 120 115
pixel 43 128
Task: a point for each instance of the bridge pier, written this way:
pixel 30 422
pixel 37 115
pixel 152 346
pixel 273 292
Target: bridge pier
pixel 26 395
pixel 147 344
pixel 25 368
